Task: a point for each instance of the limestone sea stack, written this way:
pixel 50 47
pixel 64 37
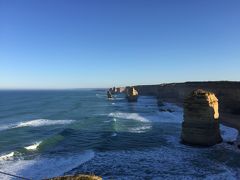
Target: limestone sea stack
pixel 131 94
pixel 120 89
pixel 201 125
pixel 112 90
pixel 117 90
pixel 109 95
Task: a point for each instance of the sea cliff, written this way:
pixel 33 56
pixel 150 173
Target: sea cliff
pixel 227 92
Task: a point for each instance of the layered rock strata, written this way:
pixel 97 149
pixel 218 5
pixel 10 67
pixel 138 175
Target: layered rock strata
pixel 201 125
pixel 228 93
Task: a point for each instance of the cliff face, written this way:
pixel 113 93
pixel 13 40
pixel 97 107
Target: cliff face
pixel 228 93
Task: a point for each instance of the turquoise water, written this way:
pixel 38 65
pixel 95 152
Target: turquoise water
pixel 50 133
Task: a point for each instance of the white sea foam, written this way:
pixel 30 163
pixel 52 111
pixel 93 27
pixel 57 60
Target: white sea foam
pixel 114 134
pixel 156 116
pixel 132 116
pixel 140 129
pixel 43 122
pixel 174 162
pixel 34 146
pixel 7 156
pixel 228 133
pixel 42 167
pixel 36 123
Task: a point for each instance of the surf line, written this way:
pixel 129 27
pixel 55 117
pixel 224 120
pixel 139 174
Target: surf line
pixel 8 174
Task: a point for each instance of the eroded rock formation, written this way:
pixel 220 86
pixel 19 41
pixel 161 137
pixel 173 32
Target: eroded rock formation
pixel 112 90
pixel 201 125
pixel 116 90
pixel 131 94
pixel 109 95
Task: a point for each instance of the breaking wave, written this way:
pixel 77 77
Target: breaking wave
pixel 43 122
pixel 132 116
pixel 44 167
pixel 33 147
pixel 36 123
pixel 7 156
pixel 141 129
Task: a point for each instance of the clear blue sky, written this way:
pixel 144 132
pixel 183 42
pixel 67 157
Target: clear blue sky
pixel 102 43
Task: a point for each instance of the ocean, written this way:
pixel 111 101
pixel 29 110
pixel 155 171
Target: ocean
pixel 62 132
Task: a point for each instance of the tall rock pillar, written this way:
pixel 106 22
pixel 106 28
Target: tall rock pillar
pixel 131 94
pixel 201 125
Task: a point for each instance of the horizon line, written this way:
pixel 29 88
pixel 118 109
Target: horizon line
pixel 85 88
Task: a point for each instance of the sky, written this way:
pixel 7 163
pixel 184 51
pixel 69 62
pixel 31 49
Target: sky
pixel 57 44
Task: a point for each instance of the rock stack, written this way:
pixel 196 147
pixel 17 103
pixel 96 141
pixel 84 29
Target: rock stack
pixel 131 94
pixel 120 89
pixel 112 90
pixel 201 125
pixel 109 95
pixel 117 90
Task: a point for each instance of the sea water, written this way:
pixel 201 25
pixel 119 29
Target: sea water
pixel 51 133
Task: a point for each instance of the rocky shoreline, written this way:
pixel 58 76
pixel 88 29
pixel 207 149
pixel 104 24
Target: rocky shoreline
pixel 205 104
pixel 227 92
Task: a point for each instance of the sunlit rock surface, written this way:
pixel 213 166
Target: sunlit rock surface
pixel 201 125
pixel 77 177
pixel 131 94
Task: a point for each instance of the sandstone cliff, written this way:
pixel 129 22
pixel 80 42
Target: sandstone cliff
pixel 228 93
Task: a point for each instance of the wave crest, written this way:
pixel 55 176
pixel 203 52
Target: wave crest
pixel 141 129
pixel 43 122
pixel 45 167
pixel 133 116
pixel 34 146
pixel 7 156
